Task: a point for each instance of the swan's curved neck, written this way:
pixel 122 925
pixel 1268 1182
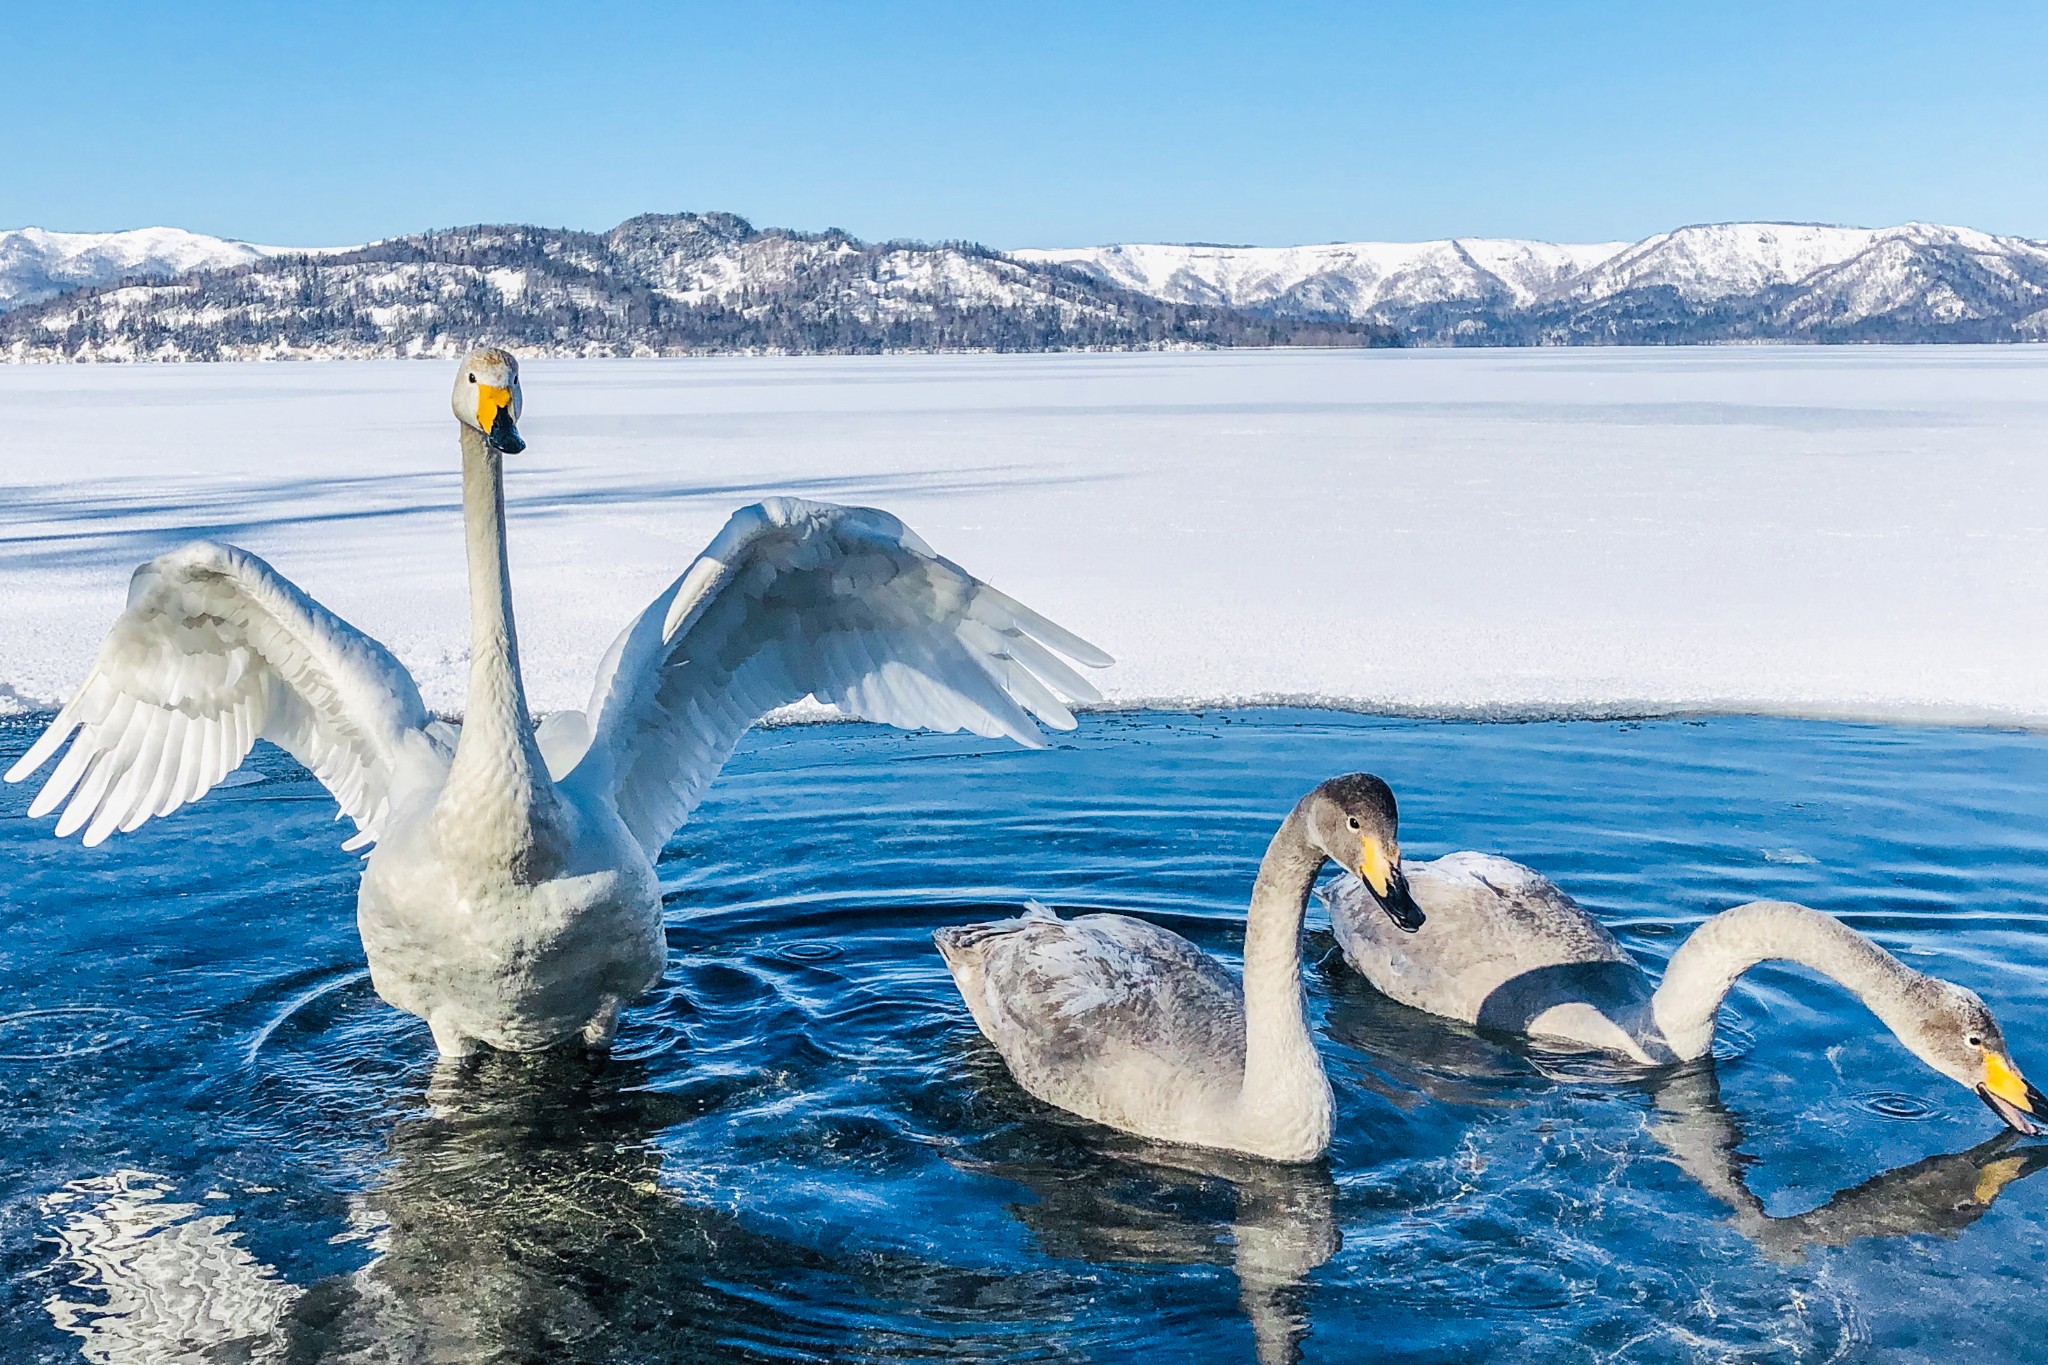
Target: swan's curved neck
pixel 1284 1086
pixel 1707 965
pixel 495 784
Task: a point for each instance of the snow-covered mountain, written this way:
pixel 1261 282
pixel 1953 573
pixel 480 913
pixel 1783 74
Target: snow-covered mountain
pixel 1717 282
pixel 665 283
pixel 660 284
pixel 37 265
pixel 1354 278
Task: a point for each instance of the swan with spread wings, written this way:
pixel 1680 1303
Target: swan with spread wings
pixel 510 898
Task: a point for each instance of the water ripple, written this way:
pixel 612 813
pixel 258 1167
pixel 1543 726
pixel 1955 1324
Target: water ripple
pixel 66 1031
pixel 801 1147
pixel 1892 1104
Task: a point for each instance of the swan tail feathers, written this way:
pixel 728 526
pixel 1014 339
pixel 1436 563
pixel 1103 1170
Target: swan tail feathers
pixel 966 944
pixel 965 948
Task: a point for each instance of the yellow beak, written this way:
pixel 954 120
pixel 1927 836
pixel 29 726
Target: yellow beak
pixel 2002 1081
pixel 2021 1106
pixel 489 403
pixel 1379 868
pixel 1374 868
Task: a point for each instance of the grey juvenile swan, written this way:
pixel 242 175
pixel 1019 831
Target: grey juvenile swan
pixel 511 898
pixel 1131 1025
pixel 1504 948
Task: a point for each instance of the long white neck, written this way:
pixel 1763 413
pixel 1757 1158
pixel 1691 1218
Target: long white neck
pixel 1707 965
pixel 497 787
pixel 1285 1095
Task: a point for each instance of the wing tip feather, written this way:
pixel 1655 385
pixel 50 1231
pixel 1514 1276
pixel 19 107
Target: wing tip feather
pixel 46 745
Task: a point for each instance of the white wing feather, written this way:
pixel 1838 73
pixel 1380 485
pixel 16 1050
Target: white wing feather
pixel 796 599
pixel 215 651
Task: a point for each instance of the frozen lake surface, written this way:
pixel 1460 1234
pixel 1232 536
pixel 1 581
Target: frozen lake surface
pixel 218 1140
pixel 1826 531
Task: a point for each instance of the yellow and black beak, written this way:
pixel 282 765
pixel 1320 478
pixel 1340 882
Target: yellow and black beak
pixel 494 419
pixel 1382 876
pixel 2023 1108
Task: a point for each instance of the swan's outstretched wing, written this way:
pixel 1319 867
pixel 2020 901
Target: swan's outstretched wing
pixel 215 651
pixel 796 599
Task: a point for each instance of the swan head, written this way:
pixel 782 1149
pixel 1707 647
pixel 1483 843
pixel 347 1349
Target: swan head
pixel 1952 1030
pixel 1354 822
pixel 486 397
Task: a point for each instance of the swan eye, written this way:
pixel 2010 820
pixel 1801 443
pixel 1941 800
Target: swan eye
pixel 1354 822
pixel 1974 1040
pixel 472 379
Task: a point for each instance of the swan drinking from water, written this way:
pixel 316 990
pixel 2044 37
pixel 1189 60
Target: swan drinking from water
pixel 1505 948
pixel 511 897
pixel 1131 1025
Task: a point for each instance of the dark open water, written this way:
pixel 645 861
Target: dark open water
pixel 219 1145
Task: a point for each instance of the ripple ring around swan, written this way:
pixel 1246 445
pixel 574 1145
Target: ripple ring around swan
pixel 63 1031
pixel 296 1004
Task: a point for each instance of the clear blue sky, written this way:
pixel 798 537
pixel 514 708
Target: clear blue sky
pixel 1016 125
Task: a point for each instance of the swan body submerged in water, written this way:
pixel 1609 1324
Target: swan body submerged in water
pixel 1505 948
pixel 511 897
pixel 1129 1024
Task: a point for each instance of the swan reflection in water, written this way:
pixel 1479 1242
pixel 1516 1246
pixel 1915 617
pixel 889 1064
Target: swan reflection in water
pixel 1416 1057
pixel 1936 1194
pixel 1130 1201
pixel 522 1214
pixel 522 1217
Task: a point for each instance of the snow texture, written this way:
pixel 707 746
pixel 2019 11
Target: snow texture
pixel 1830 531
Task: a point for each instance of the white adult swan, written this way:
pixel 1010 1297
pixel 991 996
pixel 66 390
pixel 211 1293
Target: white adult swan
pixel 511 898
pixel 1131 1025
pixel 1504 948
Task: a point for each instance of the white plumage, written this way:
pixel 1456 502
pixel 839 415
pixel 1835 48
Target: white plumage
pixel 216 651
pixel 511 897
pixel 795 599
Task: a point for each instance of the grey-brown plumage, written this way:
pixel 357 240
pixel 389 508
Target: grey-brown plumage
pixel 1502 947
pixel 1505 948
pixel 1131 1025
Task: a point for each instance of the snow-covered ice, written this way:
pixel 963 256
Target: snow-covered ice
pixel 1836 531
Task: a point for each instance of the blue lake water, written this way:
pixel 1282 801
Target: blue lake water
pixel 221 1145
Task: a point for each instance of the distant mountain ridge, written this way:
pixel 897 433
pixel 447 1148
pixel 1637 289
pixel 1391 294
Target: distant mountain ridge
pixel 37 265
pixel 689 283
pixel 659 284
pixel 1711 283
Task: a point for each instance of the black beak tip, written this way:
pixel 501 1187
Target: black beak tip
pixel 503 436
pixel 1400 905
pixel 2020 1121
